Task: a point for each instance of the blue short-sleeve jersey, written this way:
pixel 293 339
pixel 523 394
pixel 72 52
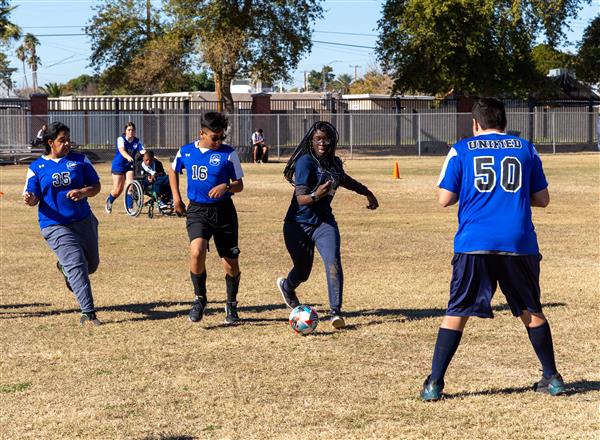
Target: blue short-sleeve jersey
pixel 494 176
pixel 119 163
pixel 206 168
pixel 51 180
pixel 310 174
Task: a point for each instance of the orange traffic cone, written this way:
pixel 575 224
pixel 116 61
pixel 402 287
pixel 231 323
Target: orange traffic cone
pixel 396 174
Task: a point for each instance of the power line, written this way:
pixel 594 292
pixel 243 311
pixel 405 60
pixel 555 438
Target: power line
pixel 343 44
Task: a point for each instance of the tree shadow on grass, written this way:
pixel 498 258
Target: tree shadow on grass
pixel 572 388
pixel 21 306
pixel 150 311
pixel 401 315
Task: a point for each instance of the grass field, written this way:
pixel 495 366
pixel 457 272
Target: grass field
pixel 151 374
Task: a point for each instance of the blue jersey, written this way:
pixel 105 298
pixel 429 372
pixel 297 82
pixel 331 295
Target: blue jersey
pixel 308 175
pixel 51 180
pixel 206 168
pixel 119 163
pixel 494 176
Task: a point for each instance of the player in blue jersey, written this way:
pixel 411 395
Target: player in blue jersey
pixel 122 168
pixel 214 174
pixel 316 172
pixel 61 182
pixel 495 178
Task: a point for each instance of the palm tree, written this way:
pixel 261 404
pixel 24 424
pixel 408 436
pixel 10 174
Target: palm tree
pixel 31 42
pixel 21 54
pixel 342 82
pixel 8 30
pixel 53 90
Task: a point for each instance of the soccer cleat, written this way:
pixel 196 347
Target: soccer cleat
pixel 337 320
pixel 290 299
pixel 89 319
pixel 60 268
pixel 197 311
pixel 231 313
pixel 108 206
pixel 432 391
pixel 553 385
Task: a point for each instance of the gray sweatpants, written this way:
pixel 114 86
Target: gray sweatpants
pixel 76 247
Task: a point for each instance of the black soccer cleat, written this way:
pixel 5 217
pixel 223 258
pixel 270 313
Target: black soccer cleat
pixel 197 311
pixel 60 268
pixel 231 313
pixel 290 299
pixel 553 385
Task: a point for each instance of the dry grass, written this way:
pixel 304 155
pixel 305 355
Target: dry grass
pixel 150 374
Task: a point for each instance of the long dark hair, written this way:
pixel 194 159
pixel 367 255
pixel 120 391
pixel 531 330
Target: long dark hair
pixel 329 161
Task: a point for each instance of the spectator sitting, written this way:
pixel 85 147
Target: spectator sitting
pixel 259 147
pixel 154 174
pixel 39 138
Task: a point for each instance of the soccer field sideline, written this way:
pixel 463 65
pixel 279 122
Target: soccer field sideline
pixel 149 373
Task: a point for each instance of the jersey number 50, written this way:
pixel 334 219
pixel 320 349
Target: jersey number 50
pixel 485 175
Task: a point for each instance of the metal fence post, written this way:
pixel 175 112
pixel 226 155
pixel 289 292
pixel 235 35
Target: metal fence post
pixel 351 137
pixel 419 134
pixel 278 139
pixel 553 133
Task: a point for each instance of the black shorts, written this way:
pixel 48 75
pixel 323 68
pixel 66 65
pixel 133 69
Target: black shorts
pixel 218 220
pixel 476 277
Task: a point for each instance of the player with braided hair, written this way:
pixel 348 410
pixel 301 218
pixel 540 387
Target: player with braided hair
pixel 316 173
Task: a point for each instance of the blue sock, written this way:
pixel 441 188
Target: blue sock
pixel 128 200
pixel 541 339
pixel 445 347
pixel 111 198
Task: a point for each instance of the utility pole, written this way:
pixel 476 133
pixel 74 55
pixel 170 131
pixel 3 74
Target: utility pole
pixel 306 80
pixel 148 7
pixel 356 66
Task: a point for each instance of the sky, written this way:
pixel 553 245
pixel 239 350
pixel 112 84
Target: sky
pixel 349 22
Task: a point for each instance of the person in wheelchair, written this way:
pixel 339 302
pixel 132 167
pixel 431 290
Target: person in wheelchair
pixel 156 180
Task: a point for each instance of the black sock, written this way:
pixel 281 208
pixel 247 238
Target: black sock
pixel 541 339
pixel 445 347
pixel 199 282
pixel 232 283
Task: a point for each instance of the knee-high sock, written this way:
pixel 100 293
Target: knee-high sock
pixel 541 339
pixel 233 284
pixel 445 347
pixel 199 282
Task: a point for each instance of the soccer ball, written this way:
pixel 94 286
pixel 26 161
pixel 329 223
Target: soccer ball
pixel 304 319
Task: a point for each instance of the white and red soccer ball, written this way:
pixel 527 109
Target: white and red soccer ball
pixel 304 319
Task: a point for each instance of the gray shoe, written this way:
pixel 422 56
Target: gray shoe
pixel 554 385
pixel 337 321
pixel 89 319
pixel 197 311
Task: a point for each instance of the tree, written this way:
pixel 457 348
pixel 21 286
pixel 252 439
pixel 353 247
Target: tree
pixel 374 81
pixel 6 72
pixel 119 33
pixel 21 54
pixel 53 89
pixel 8 30
pixel 202 81
pixel 264 39
pixel 341 83
pixel 8 33
pixel 315 79
pixel 467 46
pixel 545 57
pixel 588 56
pixel 79 84
pixel 31 43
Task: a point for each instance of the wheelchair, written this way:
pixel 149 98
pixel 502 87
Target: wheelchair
pixel 144 196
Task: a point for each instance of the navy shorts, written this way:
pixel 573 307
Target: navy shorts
pixel 476 277
pixel 120 170
pixel 218 220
